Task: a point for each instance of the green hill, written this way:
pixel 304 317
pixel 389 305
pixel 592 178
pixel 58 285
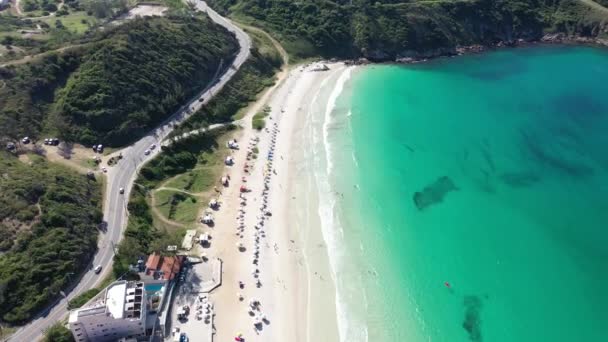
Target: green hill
pixel 118 87
pixel 49 216
pixel 386 29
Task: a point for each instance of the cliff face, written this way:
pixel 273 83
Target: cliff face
pixel 393 29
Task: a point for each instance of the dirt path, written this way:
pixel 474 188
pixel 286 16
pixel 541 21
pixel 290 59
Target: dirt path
pixel 30 58
pixel 595 5
pixel 196 194
pixel 17 7
pixel 275 43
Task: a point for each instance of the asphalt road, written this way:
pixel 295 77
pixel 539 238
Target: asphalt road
pixel 123 175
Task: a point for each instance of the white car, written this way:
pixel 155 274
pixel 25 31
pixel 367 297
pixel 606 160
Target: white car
pixel 104 169
pixel 147 152
pixel 97 269
pixel 153 146
pixel 121 190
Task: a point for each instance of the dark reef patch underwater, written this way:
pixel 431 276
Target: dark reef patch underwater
pixel 434 192
pixel 472 320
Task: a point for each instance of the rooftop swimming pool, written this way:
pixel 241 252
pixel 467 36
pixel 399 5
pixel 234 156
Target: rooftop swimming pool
pixel 154 287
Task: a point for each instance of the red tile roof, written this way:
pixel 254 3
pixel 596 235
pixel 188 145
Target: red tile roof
pixel 167 266
pixel 153 261
pixel 171 266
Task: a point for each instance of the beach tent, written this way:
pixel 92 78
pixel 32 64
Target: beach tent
pixel 207 218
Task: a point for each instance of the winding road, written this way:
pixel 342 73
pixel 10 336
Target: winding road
pixel 122 176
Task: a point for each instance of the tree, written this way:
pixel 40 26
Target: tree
pixel 58 333
pixel 30 5
pixel 8 40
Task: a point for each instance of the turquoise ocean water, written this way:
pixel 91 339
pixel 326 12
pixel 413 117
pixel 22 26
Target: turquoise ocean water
pixel 509 154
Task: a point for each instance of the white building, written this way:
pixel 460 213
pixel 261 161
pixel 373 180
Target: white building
pixel 119 313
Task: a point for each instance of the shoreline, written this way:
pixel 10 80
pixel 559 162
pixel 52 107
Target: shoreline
pixel 294 272
pixel 415 57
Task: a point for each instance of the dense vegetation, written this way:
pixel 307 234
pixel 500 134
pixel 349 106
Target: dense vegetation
pixel 48 231
pixel 142 75
pixel 385 29
pixel 58 333
pixel 115 89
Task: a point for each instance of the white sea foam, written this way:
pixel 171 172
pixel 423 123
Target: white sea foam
pixel 350 327
pixel 331 105
pixel 354 157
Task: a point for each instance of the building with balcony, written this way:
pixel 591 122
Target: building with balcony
pixel 119 313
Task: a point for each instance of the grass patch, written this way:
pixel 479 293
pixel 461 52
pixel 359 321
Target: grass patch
pixel 76 22
pixel 259 119
pixel 82 298
pixel 197 180
pixel 264 46
pixel 177 206
pixel 5 332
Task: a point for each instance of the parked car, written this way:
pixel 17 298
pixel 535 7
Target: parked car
pixel 121 191
pixel 25 140
pixel 147 152
pixel 97 269
pixel 153 146
pixel 201 99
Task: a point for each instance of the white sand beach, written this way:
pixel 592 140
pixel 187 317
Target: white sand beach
pixel 296 292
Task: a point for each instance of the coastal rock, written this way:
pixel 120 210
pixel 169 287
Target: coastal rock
pixel 413 56
pixel 434 193
pixel 359 61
